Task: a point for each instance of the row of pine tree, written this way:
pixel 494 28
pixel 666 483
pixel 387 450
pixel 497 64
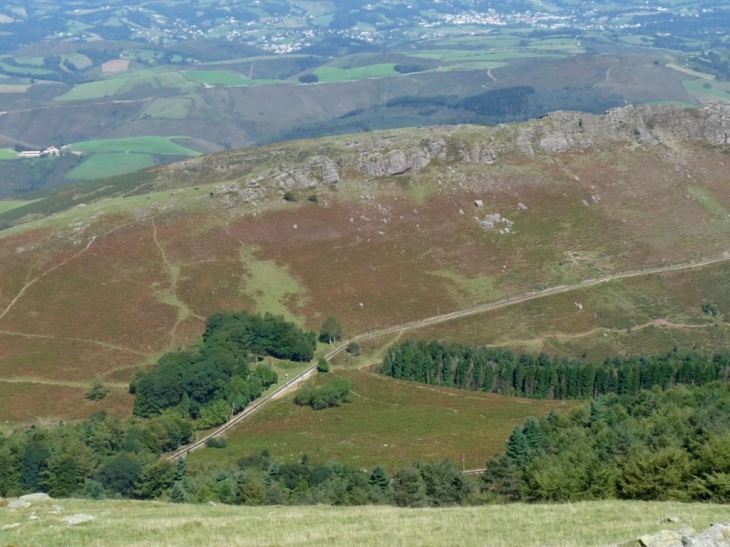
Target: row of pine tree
pixel 498 370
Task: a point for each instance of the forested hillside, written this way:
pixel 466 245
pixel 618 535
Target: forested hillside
pixel 654 445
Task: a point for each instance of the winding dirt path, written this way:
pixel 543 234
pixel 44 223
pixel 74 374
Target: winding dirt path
pixel 293 383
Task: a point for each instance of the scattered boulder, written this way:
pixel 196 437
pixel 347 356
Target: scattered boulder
pixel 10 526
pixel 717 535
pixel 18 504
pixel 478 203
pixel 36 497
pixel 522 206
pixel 78 518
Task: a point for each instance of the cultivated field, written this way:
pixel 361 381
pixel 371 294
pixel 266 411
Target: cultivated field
pixel 155 524
pixel 112 157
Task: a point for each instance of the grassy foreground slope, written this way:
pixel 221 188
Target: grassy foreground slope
pixel 127 523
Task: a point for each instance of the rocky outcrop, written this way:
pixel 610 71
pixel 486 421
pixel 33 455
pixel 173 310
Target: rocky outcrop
pixel 317 170
pixel 265 172
pixel 717 535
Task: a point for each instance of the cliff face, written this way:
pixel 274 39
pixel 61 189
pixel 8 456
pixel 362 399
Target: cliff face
pixel 262 172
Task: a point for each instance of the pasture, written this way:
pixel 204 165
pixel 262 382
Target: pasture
pixel 333 74
pixel 217 77
pixel 389 423
pixel 109 164
pixel 140 145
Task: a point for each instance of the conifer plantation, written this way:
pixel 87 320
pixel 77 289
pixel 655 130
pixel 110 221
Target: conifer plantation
pixel 502 371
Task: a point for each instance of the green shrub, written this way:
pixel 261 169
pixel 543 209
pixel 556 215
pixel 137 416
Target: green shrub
pixel 334 393
pixel 323 365
pixel 289 196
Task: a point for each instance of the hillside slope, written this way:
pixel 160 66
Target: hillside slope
pixel 97 279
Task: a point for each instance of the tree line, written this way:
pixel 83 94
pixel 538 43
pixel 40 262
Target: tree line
pixel 498 370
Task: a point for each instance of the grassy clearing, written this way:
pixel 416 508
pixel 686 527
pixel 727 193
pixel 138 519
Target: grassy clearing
pixel 110 164
pixel 169 109
pixel 389 422
pixel 93 90
pixel 80 60
pixel 7 154
pixel 9 205
pixel 272 287
pixel 217 77
pixel 333 74
pixel 155 524
pixel 705 198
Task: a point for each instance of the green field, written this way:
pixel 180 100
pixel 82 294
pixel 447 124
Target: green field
pixel 217 77
pixel 110 164
pixel 79 60
pixel 8 205
pixel 389 422
pixel 706 91
pixel 23 70
pixel 142 145
pixel 93 90
pixel 111 157
pixel 156 524
pixel 169 109
pixel 333 74
pixel 8 154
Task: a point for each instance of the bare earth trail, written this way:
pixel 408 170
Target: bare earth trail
pixel 293 383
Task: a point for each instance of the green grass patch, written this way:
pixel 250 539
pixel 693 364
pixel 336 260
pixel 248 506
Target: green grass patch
pixel 79 60
pixel 691 72
pixel 217 77
pixel 706 91
pixel 29 61
pixel 93 90
pixel 23 70
pixel 389 422
pixel 110 164
pixel 333 74
pixel 704 197
pixel 169 109
pixel 271 286
pixel 7 154
pixel 9 205
pixel 142 145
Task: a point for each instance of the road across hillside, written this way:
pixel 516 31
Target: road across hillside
pixel 433 321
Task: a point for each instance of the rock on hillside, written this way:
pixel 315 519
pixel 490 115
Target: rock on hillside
pixel 255 174
pixel 717 535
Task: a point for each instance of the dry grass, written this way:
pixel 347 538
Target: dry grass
pixel 132 524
